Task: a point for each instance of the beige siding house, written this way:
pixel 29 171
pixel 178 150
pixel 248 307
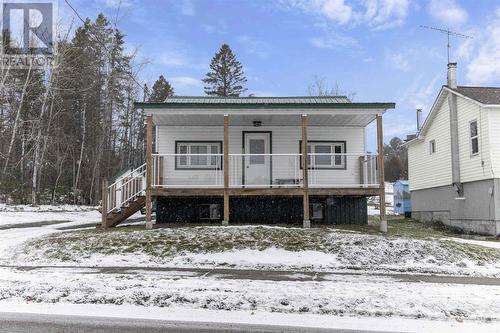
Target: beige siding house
pixel 454 161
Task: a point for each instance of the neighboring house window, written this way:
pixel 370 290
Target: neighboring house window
pixel 474 138
pixel 329 160
pixel 199 155
pixel 432 146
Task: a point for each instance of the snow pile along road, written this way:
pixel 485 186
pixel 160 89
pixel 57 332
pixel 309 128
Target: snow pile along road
pixel 349 295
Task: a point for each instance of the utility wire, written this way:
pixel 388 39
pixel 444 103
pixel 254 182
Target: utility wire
pixel 102 44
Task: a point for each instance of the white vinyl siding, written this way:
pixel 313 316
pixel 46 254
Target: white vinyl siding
pixel 473 166
pixel 493 143
pixel 285 139
pixel 433 170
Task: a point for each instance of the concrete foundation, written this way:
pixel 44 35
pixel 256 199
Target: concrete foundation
pixel 478 211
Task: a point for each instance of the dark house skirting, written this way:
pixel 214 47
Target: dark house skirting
pixel 262 210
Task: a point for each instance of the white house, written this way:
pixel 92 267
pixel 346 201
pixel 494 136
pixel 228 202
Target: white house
pixel 241 159
pixel 454 161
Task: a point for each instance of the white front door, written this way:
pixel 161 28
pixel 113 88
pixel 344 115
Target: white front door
pixel 257 168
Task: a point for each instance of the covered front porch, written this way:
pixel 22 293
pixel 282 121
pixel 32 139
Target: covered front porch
pixel 253 148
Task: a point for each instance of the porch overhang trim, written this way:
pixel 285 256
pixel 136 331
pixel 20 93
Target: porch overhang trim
pixel 270 112
pixel 265 106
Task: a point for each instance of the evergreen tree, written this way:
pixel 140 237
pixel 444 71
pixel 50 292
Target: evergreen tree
pixel 161 90
pixel 64 127
pixel 226 77
pixel 396 160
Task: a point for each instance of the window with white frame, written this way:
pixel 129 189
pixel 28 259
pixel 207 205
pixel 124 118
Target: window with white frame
pixel 432 147
pixel 326 154
pixel 199 155
pixel 474 138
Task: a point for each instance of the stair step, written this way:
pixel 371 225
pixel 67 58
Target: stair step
pixel 119 215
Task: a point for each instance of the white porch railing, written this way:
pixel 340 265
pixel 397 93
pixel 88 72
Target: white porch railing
pixel 324 166
pixel 279 170
pixel 126 189
pixel 188 170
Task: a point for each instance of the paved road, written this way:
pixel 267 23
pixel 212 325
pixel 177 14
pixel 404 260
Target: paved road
pixel 264 275
pixel 36 323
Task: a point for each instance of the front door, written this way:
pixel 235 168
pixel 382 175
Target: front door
pixel 257 168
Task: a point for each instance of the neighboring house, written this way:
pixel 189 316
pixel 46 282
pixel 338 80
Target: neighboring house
pixel 242 160
pixel 454 162
pixel 402 201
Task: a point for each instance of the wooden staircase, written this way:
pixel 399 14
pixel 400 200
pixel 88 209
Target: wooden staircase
pixel 124 197
pixel 118 216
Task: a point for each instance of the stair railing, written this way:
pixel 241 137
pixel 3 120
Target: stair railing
pixel 126 189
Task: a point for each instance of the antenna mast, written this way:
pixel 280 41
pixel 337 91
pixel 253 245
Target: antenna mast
pixel 448 33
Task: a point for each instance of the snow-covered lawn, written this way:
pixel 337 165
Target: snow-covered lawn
pixel 485 243
pixel 332 299
pixel 260 247
pixel 22 214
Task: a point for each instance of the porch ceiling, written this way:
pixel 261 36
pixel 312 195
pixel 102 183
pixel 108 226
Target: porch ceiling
pixel 354 120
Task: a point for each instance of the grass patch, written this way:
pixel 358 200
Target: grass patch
pixel 407 247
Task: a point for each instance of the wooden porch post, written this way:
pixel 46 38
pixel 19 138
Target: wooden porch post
pixel 104 203
pixel 149 164
pixel 381 174
pixel 305 173
pixel 225 149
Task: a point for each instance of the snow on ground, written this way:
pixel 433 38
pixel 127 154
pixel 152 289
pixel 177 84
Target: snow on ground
pixel 375 210
pixel 274 258
pixel 259 247
pixel 45 208
pixel 340 295
pixel 490 244
pixel 395 324
pixel 22 223
pixel 20 214
pixel 338 301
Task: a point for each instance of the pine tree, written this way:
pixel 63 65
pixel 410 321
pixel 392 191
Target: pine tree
pixel 161 90
pixel 396 160
pixel 63 128
pixel 226 77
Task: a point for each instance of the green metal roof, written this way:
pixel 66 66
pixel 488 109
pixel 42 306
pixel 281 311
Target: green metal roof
pixel 261 102
pixel 258 100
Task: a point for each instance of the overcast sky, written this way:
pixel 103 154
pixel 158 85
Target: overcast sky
pixel 374 48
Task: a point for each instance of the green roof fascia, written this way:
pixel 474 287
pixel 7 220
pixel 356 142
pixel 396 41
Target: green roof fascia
pixel 258 97
pixel 141 105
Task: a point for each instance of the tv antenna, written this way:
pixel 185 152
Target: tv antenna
pixel 448 33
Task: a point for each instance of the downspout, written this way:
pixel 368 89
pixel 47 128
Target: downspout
pixel 492 171
pixel 452 103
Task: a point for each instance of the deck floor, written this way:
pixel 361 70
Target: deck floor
pixel 176 192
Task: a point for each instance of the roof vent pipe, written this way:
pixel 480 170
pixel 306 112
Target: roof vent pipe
pixel 419 119
pixel 452 75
